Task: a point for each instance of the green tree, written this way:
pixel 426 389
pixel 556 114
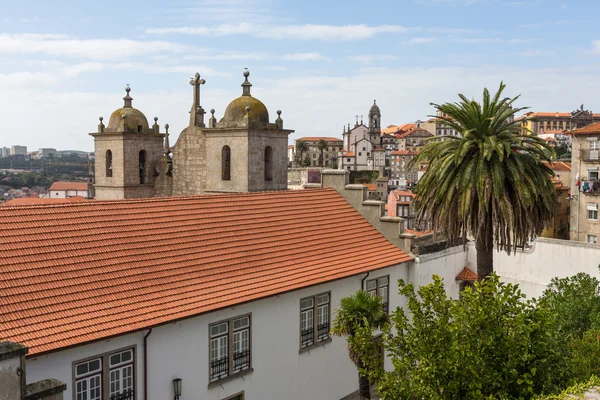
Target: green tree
pixel 301 147
pixel 489 182
pixel 359 311
pixel 322 146
pixel 490 343
pixel 306 162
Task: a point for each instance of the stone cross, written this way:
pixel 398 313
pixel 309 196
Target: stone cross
pixel 196 82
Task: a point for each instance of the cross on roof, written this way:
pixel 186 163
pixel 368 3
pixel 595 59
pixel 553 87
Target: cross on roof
pixel 196 82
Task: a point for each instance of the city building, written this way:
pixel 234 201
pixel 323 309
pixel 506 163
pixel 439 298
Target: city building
pixel 400 174
pixel 362 149
pixel 438 127
pixel 5 152
pixel 559 229
pixel 243 152
pixel 65 190
pixel 217 290
pixel 18 150
pixel 45 152
pixel 585 192
pixel 313 154
pixel 557 138
pixel 413 140
pixel 543 122
pixel 291 154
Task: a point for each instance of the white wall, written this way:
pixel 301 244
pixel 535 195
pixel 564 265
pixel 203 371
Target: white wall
pixel 548 258
pixel 180 350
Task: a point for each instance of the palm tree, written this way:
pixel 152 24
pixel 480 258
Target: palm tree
pixel 489 183
pixel 301 147
pixel 321 145
pixel 359 310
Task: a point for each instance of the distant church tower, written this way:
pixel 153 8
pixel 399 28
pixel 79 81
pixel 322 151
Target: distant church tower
pixel 126 153
pixel 375 124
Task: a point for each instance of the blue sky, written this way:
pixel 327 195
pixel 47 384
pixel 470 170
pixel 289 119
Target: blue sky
pixel 65 63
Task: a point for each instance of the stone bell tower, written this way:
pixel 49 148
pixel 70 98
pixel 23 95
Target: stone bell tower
pixel 126 153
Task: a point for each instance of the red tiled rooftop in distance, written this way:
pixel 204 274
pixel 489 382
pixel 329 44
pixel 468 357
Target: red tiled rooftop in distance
pixel 80 272
pixel 404 153
pixel 558 165
pixel 61 185
pixel 317 138
pixel 31 201
pixel 593 129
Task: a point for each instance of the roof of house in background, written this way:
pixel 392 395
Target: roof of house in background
pixel 466 275
pixel 404 153
pixel 592 129
pixel 81 272
pixel 31 201
pixel 62 185
pixel 558 165
pixel 317 138
pixel 371 187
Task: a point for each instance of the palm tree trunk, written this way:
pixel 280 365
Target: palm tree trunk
pixel 484 244
pixel 364 387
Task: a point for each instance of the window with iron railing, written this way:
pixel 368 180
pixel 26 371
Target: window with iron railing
pixel 90 377
pixel 314 320
pixel 380 287
pixel 229 348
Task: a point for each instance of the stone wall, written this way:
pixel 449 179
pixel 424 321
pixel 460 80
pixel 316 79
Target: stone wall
pixel 189 172
pixel 257 143
pixel 215 140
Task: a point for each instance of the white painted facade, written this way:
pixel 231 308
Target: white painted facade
pixel 279 370
pixel 65 194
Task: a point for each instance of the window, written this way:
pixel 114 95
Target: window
pixel 380 287
pixel 229 348
pixel 108 163
pixel 139 129
pixel 593 239
pixel 348 160
pixel 592 211
pixel 226 163
pixel 593 174
pixel 238 396
pixel 314 320
pixel 142 166
pixel 268 163
pixel 91 383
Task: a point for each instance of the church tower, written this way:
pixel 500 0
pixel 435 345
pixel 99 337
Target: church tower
pixel 375 123
pixel 126 152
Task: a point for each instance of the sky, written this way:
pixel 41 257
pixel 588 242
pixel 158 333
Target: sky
pixel 63 64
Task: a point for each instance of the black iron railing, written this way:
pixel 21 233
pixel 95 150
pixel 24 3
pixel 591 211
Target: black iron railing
pixel 219 368
pixel 306 337
pixel 323 331
pixel 241 360
pixel 128 394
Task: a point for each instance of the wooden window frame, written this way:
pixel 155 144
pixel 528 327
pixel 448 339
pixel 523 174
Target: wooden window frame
pixel 316 341
pixel 377 290
pixel 230 361
pixel 105 371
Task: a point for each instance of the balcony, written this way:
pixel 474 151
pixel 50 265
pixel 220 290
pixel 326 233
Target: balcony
pixel 127 394
pixel 590 156
pixel 593 188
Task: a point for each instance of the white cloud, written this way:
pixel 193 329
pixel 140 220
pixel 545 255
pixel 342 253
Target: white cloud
pixel 370 58
pixel 596 46
pixel 535 53
pixel 493 40
pixel 422 40
pixel 94 49
pixel 301 32
pixel 305 57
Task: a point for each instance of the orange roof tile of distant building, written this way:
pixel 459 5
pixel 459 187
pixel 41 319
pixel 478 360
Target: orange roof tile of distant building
pixel 317 138
pixel 592 129
pixel 558 165
pixel 62 185
pixel 404 153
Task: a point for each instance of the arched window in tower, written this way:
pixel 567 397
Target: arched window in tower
pixel 142 167
pixel 268 163
pixel 226 163
pixel 374 122
pixel 108 164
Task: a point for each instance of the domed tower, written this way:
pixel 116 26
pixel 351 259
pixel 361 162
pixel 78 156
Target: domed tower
pixel 375 123
pixel 243 152
pixel 126 152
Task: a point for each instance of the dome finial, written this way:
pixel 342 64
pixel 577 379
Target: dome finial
pixel 246 85
pixel 127 97
pixel 167 147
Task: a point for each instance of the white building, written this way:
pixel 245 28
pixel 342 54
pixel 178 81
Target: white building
pixel 215 290
pixel 362 149
pixel 4 152
pixel 65 190
pixel 18 150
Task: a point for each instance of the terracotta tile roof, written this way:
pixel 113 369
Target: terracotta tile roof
pixel 404 153
pixel 371 187
pixel 317 138
pixel 349 154
pixel 592 129
pixel 466 275
pixel 80 272
pixel 378 149
pixel 291 146
pixel 558 165
pixel 61 185
pixel 30 201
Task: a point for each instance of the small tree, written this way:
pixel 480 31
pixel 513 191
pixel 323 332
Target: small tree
pixel 491 343
pixel 306 162
pixel 359 311
pixel 322 146
pixel 301 147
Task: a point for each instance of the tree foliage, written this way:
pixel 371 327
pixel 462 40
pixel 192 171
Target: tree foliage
pixel 489 182
pixel 491 343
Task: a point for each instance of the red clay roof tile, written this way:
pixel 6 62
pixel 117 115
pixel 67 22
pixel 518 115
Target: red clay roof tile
pixel 466 275
pixel 61 185
pixel 79 272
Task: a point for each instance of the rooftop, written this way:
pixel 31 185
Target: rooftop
pixel 30 201
pixel 592 129
pixel 62 185
pixel 81 272
pixel 317 138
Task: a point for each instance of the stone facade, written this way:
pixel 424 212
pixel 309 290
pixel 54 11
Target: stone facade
pixel 362 144
pixel 243 152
